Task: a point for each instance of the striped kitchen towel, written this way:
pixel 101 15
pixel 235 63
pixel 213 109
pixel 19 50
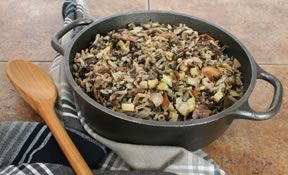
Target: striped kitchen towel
pixel 29 147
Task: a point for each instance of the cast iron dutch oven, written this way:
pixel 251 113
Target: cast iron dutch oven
pixel 192 134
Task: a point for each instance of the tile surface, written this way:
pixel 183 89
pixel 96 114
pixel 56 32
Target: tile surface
pixel 34 22
pixel 101 8
pixel 247 147
pixel 12 107
pixel 261 25
pixel 256 147
pixel 26 28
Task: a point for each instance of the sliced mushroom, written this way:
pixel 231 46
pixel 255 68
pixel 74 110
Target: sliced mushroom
pixel 127 37
pixel 201 111
pixel 156 98
pixel 211 72
pixel 228 101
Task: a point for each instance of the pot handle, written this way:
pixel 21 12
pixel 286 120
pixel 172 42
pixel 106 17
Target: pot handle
pixel 246 112
pixel 58 35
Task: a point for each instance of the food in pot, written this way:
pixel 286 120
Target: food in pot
pixel 159 72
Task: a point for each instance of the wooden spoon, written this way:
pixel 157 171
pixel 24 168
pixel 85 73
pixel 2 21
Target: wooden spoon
pixel 38 90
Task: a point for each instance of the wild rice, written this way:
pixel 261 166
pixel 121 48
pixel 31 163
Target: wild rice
pixel 159 72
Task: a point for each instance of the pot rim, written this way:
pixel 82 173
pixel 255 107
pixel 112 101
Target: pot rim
pixel 122 116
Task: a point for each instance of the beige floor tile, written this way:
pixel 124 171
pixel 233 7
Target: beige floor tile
pixel 12 107
pixel 251 147
pixel 26 28
pixel 101 8
pixel 261 25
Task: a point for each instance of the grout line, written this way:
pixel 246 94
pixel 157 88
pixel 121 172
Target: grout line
pixel 149 5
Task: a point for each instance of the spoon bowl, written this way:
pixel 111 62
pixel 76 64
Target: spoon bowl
pixel 32 83
pixel 37 88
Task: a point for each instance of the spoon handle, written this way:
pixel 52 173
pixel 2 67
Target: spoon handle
pixel 71 152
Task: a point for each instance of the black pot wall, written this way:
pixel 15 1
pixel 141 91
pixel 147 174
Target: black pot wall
pixel 120 130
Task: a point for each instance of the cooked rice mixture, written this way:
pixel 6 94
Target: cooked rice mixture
pixel 159 72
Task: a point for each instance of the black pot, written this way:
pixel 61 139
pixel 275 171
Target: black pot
pixel 192 134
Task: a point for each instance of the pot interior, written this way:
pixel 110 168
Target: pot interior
pixel 102 26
